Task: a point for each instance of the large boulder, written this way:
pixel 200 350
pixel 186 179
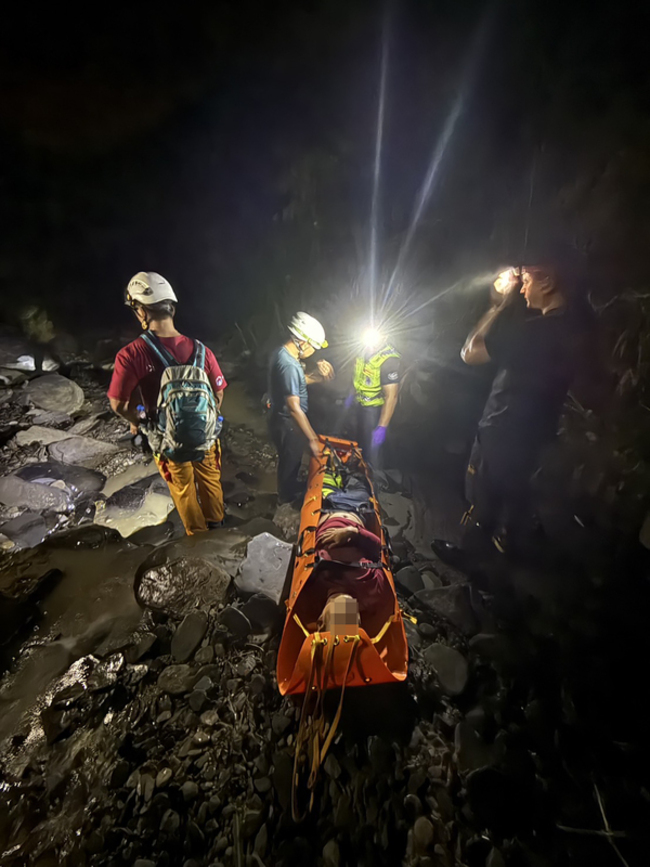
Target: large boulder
pixel 27 530
pixel 81 450
pixel 181 586
pixel 16 353
pixel 55 392
pixel 396 511
pixel 265 568
pixel 16 492
pixel 287 520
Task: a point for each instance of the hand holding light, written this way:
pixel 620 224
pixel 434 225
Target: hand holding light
pixel 325 369
pixel 378 437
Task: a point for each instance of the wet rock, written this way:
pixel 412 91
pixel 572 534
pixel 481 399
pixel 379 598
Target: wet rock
pixel 51 418
pixel 197 700
pixel 453 603
pixel 144 644
pixel 409 580
pixel 146 786
pixel 26 531
pixel 423 834
pixel 260 525
pixel 261 841
pixel 332 767
pixel 204 655
pixel 39 435
pixel 262 611
pixel 57 723
pixel 16 492
pixel 189 635
pixel 331 854
pixel 170 823
pixel 74 480
pixel 430 580
pixel 262 785
pixel 450 667
pixel 157 535
pixel 55 393
pixel 81 450
pixel 280 723
pixel 471 751
pixel 426 630
pixel 182 585
pixel 163 777
pixel 412 635
pixel 287 520
pixel 497 647
pixel 397 511
pixel 265 568
pixel 235 621
pixel 176 679
pixel 189 790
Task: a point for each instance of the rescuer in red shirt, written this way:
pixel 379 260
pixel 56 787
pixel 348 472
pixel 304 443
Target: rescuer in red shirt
pixel 195 486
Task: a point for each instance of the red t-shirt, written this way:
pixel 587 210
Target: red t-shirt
pixel 137 368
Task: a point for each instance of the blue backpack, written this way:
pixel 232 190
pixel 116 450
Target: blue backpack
pixel 187 421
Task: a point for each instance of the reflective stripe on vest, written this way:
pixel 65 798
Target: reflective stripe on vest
pixel 367 377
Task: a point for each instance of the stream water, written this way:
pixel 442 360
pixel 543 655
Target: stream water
pixel 91 608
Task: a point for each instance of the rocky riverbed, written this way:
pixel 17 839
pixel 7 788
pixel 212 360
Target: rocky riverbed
pixel 140 722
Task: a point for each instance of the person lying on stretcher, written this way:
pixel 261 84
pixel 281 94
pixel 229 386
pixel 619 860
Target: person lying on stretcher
pixel 349 596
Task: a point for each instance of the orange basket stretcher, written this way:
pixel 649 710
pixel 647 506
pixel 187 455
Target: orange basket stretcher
pixel 378 658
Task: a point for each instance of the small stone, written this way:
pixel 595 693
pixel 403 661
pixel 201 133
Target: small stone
pixel 189 635
pixel 453 603
pixel 197 700
pixel 262 611
pixel 163 777
pixel 210 718
pixel 175 679
pixel 331 854
pixel 261 841
pixel 163 717
pixel 332 767
pixel 201 738
pixel 189 790
pixel 471 752
pixel 426 630
pixel 262 785
pixel 170 823
pixel 141 648
pixel 235 622
pixel 413 806
pixel 144 862
pixel 258 684
pixel 146 785
pixel 279 724
pixel 430 580
pixel 245 667
pixel 450 667
pixel 204 655
pixel 423 834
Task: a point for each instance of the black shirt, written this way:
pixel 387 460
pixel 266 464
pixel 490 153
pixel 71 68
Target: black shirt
pixel 535 360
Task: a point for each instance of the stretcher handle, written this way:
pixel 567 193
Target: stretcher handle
pixel 301 540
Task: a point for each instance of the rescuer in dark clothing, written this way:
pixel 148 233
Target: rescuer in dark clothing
pixel 534 354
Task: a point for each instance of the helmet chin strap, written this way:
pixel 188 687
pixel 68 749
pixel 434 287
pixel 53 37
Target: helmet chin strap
pixel 297 343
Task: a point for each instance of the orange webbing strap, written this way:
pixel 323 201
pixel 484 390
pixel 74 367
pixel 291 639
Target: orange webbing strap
pixel 301 737
pixel 355 639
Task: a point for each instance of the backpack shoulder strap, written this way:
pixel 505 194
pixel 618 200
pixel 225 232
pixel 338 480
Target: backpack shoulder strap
pixel 160 351
pixel 199 355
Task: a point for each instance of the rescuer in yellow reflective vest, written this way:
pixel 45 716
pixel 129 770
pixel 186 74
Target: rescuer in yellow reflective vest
pixel 374 398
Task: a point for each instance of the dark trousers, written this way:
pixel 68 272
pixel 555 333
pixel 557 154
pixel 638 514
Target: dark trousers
pixel 290 446
pixel 366 419
pixel 499 481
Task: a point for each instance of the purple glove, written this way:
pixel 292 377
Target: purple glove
pixel 349 400
pixel 378 437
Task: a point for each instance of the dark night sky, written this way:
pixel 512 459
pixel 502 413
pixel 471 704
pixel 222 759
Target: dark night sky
pixel 152 139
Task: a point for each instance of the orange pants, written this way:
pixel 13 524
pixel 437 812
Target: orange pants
pixel 195 487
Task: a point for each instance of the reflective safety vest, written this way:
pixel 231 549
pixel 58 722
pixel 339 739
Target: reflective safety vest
pixel 367 377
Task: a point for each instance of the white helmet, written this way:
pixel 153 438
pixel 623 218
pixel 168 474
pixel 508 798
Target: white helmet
pixel 146 288
pixel 305 327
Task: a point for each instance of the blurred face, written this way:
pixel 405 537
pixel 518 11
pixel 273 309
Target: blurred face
pixel 340 616
pixel 306 349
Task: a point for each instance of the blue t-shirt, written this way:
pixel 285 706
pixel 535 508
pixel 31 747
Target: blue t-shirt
pixel 286 378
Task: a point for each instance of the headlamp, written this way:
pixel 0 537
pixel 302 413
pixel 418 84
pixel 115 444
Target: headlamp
pixel 372 338
pixel 506 280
